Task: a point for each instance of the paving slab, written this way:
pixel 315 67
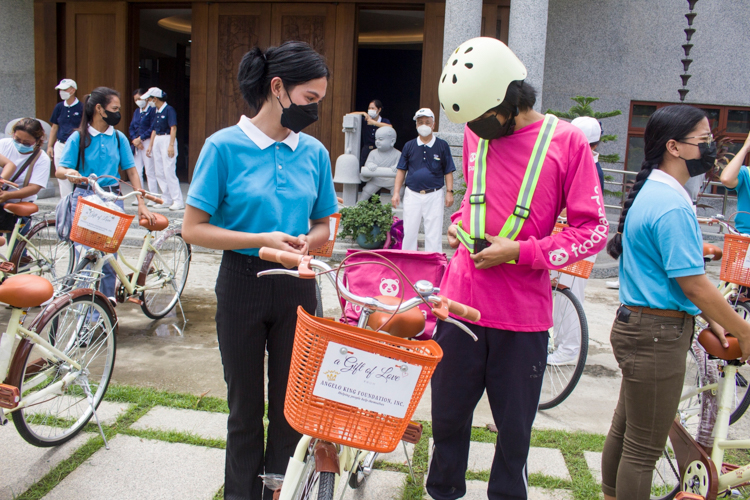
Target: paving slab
pixel 381 485
pixel 548 461
pixel 23 464
pixel 107 412
pixel 145 469
pixel 201 423
pixel 397 456
pixel 480 456
pixel 594 463
pixel 477 490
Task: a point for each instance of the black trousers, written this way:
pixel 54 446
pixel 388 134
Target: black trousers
pixel 255 315
pixel 510 366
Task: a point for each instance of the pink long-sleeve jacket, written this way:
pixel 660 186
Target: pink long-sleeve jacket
pixel 518 296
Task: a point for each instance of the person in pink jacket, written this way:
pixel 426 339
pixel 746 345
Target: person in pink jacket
pixel 521 169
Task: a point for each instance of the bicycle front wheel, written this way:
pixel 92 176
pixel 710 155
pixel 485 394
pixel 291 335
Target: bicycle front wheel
pixel 741 393
pixel 567 351
pixel 43 253
pixel 314 485
pixel 166 277
pixel 83 329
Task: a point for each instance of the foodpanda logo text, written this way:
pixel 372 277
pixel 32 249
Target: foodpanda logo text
pixel 600 231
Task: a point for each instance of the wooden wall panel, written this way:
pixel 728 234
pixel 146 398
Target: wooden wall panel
pixel 198 83
pixel 45 59
pixel 432 57
pixel 341 86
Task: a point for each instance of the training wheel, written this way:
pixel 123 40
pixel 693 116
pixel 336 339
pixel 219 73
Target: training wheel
pixel 696 478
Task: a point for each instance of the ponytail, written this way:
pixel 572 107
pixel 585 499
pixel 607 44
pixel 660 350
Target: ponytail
pixel 102 96
pixel 667 123
pixel 293 62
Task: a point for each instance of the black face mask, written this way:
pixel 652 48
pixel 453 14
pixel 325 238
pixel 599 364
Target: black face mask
pixel 296 118
pixel 706 162
pixel 490 128
pixel 112 118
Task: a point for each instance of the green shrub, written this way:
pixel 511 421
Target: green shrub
pixel 362 217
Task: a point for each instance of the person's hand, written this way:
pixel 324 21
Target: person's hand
pixel 370 121
pixel 500 251
pixel 170 151
pixel 395 199
pixel 148 152
pixel 77 177
pixel 5 196
pixel 286 242
pixel 144 213
pixel 140 146
pixel 718 331
pixel 448 199
pixel 51 152
pixel 744 346
pixel 305 244
pixel 453 236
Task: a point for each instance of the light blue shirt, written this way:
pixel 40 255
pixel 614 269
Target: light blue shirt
pixel 662 241
pixel 742 221
pixel 248 182
pixel 101 157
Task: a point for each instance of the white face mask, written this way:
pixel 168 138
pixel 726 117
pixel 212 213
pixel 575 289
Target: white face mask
pixel 64 95
pixel 140 103
pixel 424 130
pixel 373 113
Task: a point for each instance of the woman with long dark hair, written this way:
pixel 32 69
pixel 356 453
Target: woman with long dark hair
pixel 262 183
pixel 371 122
pixel 97 148
pixel 663 286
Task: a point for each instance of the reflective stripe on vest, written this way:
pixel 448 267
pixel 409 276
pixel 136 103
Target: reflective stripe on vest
pixel 477 199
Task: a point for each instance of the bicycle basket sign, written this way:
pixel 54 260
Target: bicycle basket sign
pixel 368 381
pixel 98 221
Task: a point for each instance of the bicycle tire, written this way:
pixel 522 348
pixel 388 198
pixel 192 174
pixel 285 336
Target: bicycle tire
pixel 665 481
pixel 743 309
pixel 314 485
pixel 560 380
pixel 57 257
pixel 87 327
pixel 358 477
pixel 158 302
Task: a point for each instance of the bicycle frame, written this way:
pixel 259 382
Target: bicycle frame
pixel 15 236
pixel 50 352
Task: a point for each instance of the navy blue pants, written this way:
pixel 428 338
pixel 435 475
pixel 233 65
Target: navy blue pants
pixel 510 366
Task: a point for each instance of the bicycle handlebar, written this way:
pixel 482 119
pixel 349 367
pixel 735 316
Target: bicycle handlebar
pixel 91 180
pixel 718 220
pixel 11 184
pixel 289 260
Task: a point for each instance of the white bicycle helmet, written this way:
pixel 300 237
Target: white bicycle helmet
pixel 476 78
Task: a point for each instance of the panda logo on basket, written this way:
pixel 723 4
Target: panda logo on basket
pixel 389 287
pixel 558 257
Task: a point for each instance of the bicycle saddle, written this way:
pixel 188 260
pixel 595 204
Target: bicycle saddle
pixel 22 208
pixel 404 325
pixel 160 224
pixel 25 290
pixel 712 251
pixel 712 345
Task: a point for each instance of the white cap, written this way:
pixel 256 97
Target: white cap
pixel 590 127
pixel 424 112
pixel 66 83
pixel 153 92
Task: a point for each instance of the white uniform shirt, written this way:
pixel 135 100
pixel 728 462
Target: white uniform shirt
pixel 40 174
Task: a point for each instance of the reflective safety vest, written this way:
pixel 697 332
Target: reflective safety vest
pixel 474 240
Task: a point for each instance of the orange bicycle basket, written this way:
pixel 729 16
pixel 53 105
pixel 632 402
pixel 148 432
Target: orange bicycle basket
pixel 340 423
pixel 580 269
pixel 93 239
pixel 733 268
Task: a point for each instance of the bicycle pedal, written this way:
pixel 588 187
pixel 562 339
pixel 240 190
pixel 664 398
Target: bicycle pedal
pixel 10 396
pixel 135 301
pixel 413 433
pixel 7 267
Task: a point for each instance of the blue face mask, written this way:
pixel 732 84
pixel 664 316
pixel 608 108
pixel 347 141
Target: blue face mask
pixel 23 149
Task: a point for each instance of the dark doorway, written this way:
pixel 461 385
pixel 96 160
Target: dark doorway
pixel 389 66
pixel 164 62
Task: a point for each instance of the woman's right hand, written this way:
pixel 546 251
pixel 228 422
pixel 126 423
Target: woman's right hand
pixel 453 236
pixel 283 241
pixel 51 152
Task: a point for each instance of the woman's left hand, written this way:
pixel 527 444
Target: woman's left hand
pixel 144 213
pixel 302 244
pixel 500 251
pixel 170 151
pixel 5 196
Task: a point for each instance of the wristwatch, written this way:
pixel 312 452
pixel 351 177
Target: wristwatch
pixel 450 190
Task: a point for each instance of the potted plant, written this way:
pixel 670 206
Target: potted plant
pixel 368 222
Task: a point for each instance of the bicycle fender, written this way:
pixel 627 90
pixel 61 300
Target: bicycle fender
pixel 170 231
pixel 64 300
pixel 326 457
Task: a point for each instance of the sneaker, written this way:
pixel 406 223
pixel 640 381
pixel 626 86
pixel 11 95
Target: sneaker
pixel 135 202
pixel 560 358
pixel 151 204
pixel 177 206
pixel 613 284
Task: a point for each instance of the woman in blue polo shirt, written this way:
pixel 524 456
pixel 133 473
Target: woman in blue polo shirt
pixel 105 152
pixel 262 183
pixel 736 176
pixel 663 285
pixel 371 122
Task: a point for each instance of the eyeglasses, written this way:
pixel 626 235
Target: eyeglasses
pixel 708 139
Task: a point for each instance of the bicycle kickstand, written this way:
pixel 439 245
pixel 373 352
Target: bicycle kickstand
pixel 90 397
pixel 408 461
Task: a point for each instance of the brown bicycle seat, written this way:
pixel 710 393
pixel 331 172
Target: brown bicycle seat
pixel 404 325
pixel 712 345
pixel 22 208
pixel 712 251
pixel 160 224
pixel 26 290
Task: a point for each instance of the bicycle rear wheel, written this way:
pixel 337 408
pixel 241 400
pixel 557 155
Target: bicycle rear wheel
pixel 570 332
pixel 84 329
pixel 166 277
pixel 741 393
pixel 44 254
pixel 665 482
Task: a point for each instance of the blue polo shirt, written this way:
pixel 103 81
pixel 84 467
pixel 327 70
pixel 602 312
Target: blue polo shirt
pixel 368 131
pixel 142 124
pixel 102 156
pixel 662 241
pixel 67 118
pixel 742 221
pixel 248 182
pixel 164 119
pixel 427 164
